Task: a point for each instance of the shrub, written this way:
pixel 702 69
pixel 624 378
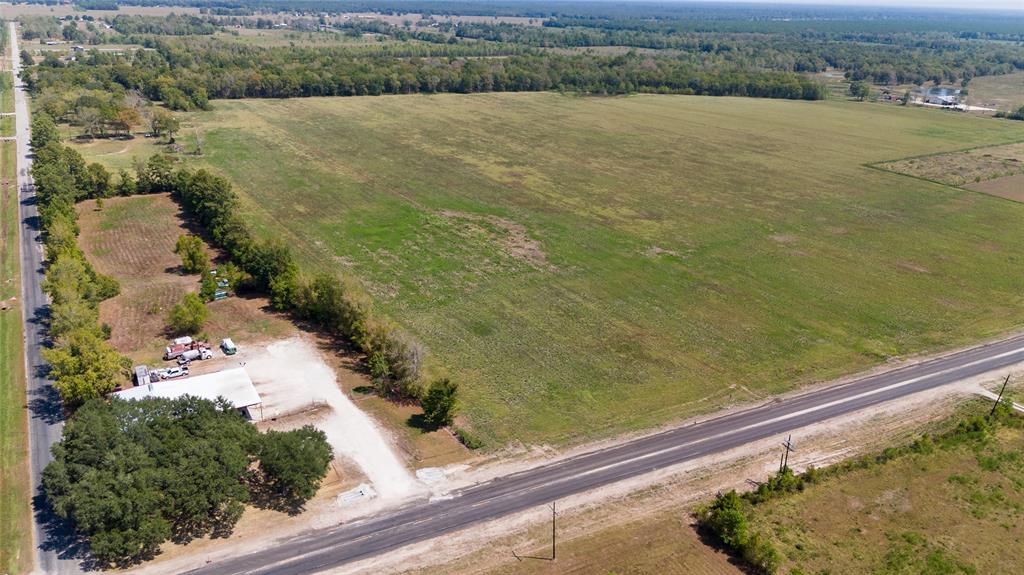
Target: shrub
pixel 440 403
pixel 726 519
pixel 208 286
pixel 379 369
pixel 193 256
pixel 188 316
pixel 468 439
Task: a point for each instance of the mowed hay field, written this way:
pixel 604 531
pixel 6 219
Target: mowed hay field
pixel 584 266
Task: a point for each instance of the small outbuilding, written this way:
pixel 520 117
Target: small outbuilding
pixel 942 96
pixel 233 385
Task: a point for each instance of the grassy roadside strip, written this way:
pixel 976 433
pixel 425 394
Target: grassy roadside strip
pixel 6 101
pixel 753 526
pixel 7 92
pixel 15 489
pixel 15 542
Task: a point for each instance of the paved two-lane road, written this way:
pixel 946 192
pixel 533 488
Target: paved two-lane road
pixel 319 550
pixel 54 553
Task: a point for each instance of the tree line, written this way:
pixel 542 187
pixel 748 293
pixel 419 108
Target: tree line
pixel 187 76
pixel 82 362
pixel 339 306
pixel 169 25
pixel 86 366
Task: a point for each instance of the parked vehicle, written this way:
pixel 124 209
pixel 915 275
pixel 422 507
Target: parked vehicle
pixel 194 354
pixel 228 346
pixel 174 372
pixel 175 351
pixel 184 340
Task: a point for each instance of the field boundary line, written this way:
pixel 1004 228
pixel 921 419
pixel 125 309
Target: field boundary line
pixel 878 166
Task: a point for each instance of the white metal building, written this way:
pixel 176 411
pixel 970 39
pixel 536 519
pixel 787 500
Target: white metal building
pixel 233 385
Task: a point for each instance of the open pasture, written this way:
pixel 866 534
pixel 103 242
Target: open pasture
pixel 585 266
pixel 1004 92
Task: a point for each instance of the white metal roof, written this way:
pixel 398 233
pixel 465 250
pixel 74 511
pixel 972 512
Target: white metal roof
pixel 231 384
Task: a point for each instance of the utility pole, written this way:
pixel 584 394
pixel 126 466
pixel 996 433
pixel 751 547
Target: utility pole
pixel 788 444
pixel 553 530
pixel 553 541
pixel 1000 397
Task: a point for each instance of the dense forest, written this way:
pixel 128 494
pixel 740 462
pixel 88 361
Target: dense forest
pixel 884 58
pixel 185 75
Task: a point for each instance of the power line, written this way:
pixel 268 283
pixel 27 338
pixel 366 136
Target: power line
pixel 1000 397
pixel 788 444
pixel 554 514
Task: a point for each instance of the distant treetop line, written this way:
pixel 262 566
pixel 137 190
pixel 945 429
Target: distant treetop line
pixel 721 49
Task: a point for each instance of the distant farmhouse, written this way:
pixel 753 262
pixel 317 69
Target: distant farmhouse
pixel 942 96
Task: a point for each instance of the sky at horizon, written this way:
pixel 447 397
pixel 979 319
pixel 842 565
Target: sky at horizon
pixel 989 5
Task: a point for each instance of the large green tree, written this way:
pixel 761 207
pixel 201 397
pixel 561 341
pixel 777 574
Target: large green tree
pixel 188 316
pixel 293 463
pixel 84 366
pixel 44 131
pixel 132 474
pixel 441 403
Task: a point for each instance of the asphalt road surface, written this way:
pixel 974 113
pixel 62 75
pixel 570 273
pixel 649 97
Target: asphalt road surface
pixel 56 550
pixel 322 549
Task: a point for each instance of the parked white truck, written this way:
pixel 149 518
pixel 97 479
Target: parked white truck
pixel 176 350
pixel 194 354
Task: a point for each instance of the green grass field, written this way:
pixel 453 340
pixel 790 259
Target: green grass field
pixel 956 510
pixel 1004 92
pixel 15 541
pixel 6 93
pixel 585 266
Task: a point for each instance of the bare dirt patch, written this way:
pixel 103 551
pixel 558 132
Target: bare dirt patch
pixel 1009 187
pixel 964 167
pixel 511 236
pixel 421 447
pixel 655 251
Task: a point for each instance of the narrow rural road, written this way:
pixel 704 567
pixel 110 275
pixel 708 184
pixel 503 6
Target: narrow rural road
pixel 323 549
pixel 56 551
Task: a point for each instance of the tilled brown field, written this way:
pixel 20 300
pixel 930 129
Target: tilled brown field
pixel 1009 187
pixel 132 239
